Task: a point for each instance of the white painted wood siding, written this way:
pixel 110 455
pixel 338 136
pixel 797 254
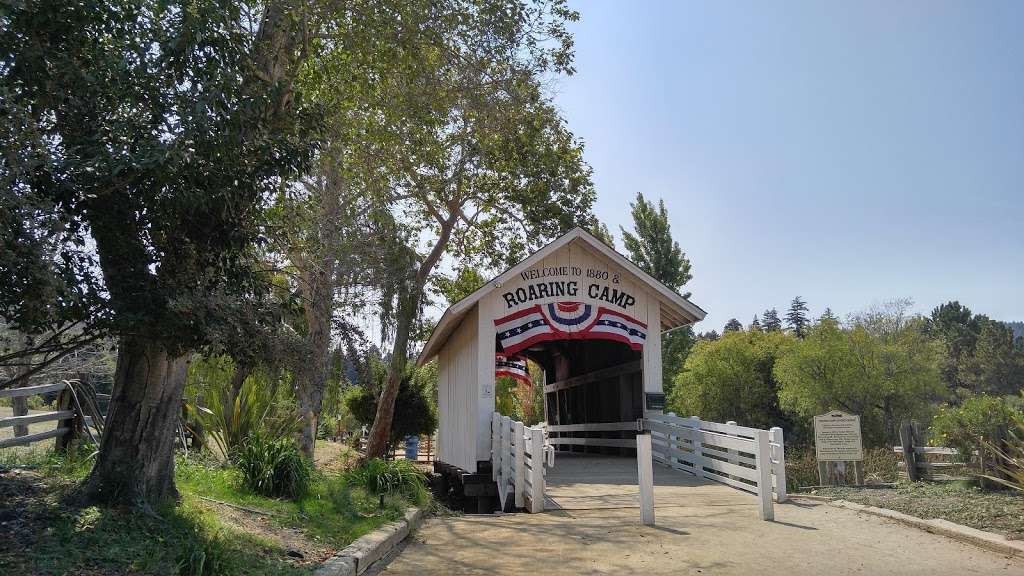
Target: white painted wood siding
pixel 457 395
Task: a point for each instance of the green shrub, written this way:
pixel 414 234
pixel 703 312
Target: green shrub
pixel 966 427
pixel 274 467
pixel 390 477
pixel 1010 456
pixel 229 422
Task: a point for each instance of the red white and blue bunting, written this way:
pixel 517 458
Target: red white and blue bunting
pixel 567 321
pixel 514 366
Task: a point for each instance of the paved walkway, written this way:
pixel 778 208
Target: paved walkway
pixel 702 528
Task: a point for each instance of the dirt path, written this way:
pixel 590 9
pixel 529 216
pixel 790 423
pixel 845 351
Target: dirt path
pixel 701 529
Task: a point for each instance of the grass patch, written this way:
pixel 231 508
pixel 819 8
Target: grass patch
pixel 331 512
pixel 994 511
pixel 802 467
pixel 43 532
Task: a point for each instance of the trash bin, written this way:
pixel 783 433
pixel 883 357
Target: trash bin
pixel 412 447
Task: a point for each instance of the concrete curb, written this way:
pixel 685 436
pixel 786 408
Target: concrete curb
pixel 980 538
pixel 358 556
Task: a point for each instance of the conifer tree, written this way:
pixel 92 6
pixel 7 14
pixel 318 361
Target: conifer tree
pixel 652 248
pixel 755 325
pixel 770 320
pixel 733 325
pixel 796 318
pixel 828 315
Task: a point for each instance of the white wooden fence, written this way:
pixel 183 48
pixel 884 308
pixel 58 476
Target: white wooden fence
pixel 745 458
pixel 517 462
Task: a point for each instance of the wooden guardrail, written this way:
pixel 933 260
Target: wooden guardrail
pixel 68 418
pixel 517 462
pixel 749 459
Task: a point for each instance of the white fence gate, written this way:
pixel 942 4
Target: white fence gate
pixel 749 459
pixel 517 462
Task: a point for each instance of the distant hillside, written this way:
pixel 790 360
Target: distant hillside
pixel 1018 328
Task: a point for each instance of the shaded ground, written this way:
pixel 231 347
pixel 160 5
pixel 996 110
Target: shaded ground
pixel 999 511
pixel 43 532
pixel 702 528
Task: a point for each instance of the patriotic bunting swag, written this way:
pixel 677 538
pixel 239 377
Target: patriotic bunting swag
pixel 514 366
pixel 567 321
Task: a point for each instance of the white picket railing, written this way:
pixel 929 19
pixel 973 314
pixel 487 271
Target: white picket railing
pixel 517 462
pixel 749 459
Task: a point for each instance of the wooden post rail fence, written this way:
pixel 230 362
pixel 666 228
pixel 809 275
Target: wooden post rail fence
pixel 914 466
pixel 69 420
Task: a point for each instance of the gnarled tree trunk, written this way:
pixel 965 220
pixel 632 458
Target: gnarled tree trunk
pixel 135 465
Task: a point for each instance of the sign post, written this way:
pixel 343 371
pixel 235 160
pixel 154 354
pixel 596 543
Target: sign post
pixel 837 441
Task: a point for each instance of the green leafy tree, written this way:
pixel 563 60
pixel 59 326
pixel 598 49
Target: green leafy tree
pixel 957 328
pixel 770 320
pixel 652 248
pixel 796 318
pixel 883 379
pixel 485 166
pixel 465 281
pixel 733 325
pixel 731 378
pixel 140 140
pixel 997 366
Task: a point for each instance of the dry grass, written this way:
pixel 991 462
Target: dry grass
pixel 1000 511
pixel 879 467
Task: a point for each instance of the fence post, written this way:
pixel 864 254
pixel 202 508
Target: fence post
pixel 698 448
pixel 65 401
pixel 645 476
pixel 764 471
pixel 776 437
pixel 518 434
pixel 506 459
pixel 536 470
pixel 495 444
pixel 909 455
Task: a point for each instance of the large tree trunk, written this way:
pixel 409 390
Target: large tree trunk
pixel 380 433
pixel 136 460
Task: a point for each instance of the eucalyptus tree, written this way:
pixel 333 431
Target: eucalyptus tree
pixel 139 142
pixel 481 167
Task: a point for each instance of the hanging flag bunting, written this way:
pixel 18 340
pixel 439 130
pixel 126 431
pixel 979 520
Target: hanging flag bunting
pixel 567 321
pixel 514 366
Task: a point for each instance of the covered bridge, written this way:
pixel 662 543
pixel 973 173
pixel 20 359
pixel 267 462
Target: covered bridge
pixel 583 312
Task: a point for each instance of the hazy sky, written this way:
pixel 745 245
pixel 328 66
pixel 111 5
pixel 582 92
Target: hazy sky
pixel 846 152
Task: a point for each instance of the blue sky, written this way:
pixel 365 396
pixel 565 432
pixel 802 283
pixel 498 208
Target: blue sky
pixel 846 152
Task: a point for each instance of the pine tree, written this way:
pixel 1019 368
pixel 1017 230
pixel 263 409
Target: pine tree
pixel 796 318
pixel 733 325
pixel 828 315
pixel 710 335
pixel 755 325
pixel 771 320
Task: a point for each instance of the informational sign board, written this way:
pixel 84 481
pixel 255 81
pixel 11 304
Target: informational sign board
pixel 655 401
pixel 837 437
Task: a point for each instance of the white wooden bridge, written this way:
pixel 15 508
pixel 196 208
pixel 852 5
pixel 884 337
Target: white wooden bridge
pixel 689 454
